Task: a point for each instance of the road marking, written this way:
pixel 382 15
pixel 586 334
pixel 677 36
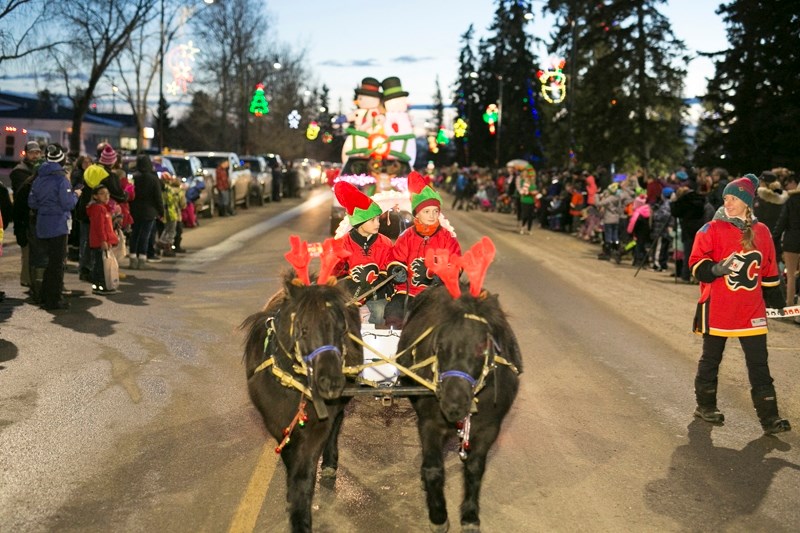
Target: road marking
pixel 239 240
pixel 244 521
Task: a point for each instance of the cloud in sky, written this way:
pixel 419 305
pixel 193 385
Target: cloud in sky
pixel 350 63
pixel 412 59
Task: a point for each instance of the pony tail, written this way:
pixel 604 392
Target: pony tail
pixel 748 238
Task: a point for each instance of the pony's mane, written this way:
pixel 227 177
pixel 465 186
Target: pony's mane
pixel 441 309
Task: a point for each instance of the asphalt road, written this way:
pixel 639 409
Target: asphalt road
pixel 130 413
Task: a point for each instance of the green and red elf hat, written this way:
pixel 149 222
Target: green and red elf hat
pixel 422 194
pixel 358 205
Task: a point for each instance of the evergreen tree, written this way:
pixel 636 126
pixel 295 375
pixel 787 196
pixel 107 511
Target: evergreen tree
pixel 753 100
pixel 161 116
pixel 196 129
pixel 465 95
pixel 511 66
pixel 625 79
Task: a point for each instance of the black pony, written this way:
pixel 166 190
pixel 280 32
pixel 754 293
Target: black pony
pixel 476 358
pixel 295 352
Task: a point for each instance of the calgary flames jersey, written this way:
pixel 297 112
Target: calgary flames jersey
pixel 733 305
pixel 368 258
pixel 410 249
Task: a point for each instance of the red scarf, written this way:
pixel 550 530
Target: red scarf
pixel 424 229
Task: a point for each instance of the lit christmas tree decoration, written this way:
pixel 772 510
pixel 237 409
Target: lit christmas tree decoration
pixel 441 137
pixel 312 131
pixel 259 105
pixel 294 119
pixel 490 117
pixel 460 127
pixel 554 81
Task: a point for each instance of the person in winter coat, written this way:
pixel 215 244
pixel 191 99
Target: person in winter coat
pixel 407 266
pixel 689 209
pixel 787 232
pixel 93 176
pixel 147 205
pixel 639 228
pixel 53 200
pixel 102 237
pixel 21 176
pixel 734 260
pixel 611 203
pixel 370 251
pixel 767 205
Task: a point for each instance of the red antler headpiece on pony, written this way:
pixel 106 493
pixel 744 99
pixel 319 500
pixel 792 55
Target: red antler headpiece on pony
pixel 333 251
pixel 299 257
pixel 438 262
pixel 476 262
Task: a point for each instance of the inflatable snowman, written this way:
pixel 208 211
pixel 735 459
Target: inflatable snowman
pixel 366 121
pixel 397 125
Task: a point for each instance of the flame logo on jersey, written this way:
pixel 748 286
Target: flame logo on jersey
pixel 367 274
pixel 420 273
pixel 746 269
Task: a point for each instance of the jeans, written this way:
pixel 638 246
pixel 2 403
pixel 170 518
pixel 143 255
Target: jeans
pixel 140 236
pixel 84 259
pixel 53 279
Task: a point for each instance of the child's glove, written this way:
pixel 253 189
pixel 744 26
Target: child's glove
pixel 724 267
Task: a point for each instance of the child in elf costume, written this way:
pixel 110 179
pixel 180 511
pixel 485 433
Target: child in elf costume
pixel 369 250
pixel 430 230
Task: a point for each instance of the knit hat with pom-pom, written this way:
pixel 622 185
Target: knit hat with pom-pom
pixel 360 207
pixel 743 188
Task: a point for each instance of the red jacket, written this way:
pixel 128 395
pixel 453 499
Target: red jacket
pixel 366 260
pixel 733 305
pixel 410 249
pixel 101 228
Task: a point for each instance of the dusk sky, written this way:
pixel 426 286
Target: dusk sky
pixel 417 40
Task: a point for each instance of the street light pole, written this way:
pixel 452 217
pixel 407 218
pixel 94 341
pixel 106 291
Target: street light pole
pixel 499 119
pixel 161 85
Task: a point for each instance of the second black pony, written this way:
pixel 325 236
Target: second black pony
pixel 475 374
pixel 295 353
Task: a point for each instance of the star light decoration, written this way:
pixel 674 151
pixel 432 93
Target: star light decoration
pixel 460 127
pixel 490 117
pixel 554 81
pixel 294 119
pixel 179 61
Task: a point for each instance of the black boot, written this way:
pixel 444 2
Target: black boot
pixel 767 409
pixel 706 394
pixel 604 255
pixel 616 252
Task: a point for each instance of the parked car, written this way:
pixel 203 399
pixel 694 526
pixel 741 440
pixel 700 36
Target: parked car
pixel 309 173
pixel 381 176
pixel 261 186
pixel 159 164
pixel 190 171
pixel 240 177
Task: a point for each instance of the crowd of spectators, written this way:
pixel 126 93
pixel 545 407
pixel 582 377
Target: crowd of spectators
pixel 648 220
pixel 85 209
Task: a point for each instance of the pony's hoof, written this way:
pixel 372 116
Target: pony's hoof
pixel 328 472
pixel 470 528
pixel 441 528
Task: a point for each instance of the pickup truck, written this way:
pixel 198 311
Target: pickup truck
pixel 240 177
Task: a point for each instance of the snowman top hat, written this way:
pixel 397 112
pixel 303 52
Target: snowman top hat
pixel 392 88
pixel 369 87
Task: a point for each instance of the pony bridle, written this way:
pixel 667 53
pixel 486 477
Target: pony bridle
pixel 491 349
